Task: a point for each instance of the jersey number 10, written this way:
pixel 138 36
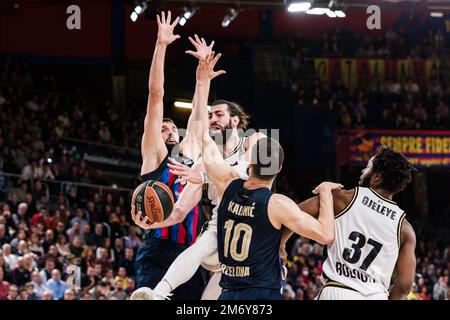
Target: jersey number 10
pixel 242 254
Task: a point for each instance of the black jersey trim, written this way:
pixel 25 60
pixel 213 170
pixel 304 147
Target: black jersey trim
pixel 381 197
pixel 342 212
pixel 241 142
pixel 399 229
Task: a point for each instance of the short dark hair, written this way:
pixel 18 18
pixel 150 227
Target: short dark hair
pixel 394 168
pixel 267 158
pixel 168 120
pixel 235 110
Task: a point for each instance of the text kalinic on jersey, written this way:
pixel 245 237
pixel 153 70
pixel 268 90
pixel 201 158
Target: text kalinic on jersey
pixel 244 211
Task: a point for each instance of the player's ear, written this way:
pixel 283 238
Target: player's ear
pixel 376 179
pixel 235 121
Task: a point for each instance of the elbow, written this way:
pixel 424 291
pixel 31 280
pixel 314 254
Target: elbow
pixel 328 238
pixel 327 241
pixel 404 289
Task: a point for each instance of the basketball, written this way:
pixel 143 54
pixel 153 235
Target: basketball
pixel 154 199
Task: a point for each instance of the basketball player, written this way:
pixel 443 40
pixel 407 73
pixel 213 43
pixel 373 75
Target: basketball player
pixel 372 235
pixel 225 119
pixel 251 216
pixel 160 136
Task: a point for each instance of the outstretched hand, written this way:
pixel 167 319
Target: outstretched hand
pixel 201 46
pixel 165 28
pixel 205 69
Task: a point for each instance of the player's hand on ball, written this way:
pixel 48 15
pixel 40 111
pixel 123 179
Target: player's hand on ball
pixel 201 46
pixel 144 224
pixel 165 28
pixel 192 175
pixel 327 187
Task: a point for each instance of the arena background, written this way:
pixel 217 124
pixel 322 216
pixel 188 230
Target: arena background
pixel 72 104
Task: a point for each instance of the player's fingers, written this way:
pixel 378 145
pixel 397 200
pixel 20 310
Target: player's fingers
pixel 158 20
pixel 163 17
pixel 216 59
pixel 137 218
pixel 197 39
pixel 218 73
pixel 177 173
pixel 176 167
pixel 192 53
pixel 175 22
pixel 211 45
pixel 192 41
pixel 176 36
pixel 173 161
pixel 209 57
pixel 169 17
pixel 204 42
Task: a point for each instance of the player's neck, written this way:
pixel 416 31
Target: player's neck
pixel 230 145
pixel 255 183
pixel 384 193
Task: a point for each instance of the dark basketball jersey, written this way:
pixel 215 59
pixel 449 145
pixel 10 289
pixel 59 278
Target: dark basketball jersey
pixel 248 243
pixel 187 231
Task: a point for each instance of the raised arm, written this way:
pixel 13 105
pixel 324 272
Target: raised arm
pixel 406 263
pixel 283 211
pixel 153 148
pixel 191 144
pixel 218 171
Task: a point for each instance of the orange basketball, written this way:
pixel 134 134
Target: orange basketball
pixel 154 199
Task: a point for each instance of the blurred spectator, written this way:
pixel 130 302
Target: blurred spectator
pixel 46 273
pixel 440 289
pixel 56 285
pixel 4 238
pixel 20 275
pixel 69 294
pixel 31 295
pixel 4 285
pixel 47 295
pixel 63 246
pixel 38 287
pixel 13 293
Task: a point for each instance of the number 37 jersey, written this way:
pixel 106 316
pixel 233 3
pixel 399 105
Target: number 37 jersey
pixel 365 250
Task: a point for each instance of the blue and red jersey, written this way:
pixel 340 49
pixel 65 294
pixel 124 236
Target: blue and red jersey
pixel 186 232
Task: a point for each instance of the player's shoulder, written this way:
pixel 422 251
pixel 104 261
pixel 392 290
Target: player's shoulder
pixel 280 200
pixel 344 198
pixel 344 194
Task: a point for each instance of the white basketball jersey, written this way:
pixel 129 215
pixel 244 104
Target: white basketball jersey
pixel 237 161
pixel 365 250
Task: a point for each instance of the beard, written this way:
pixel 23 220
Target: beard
pixel 170 147
pixel 221 137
